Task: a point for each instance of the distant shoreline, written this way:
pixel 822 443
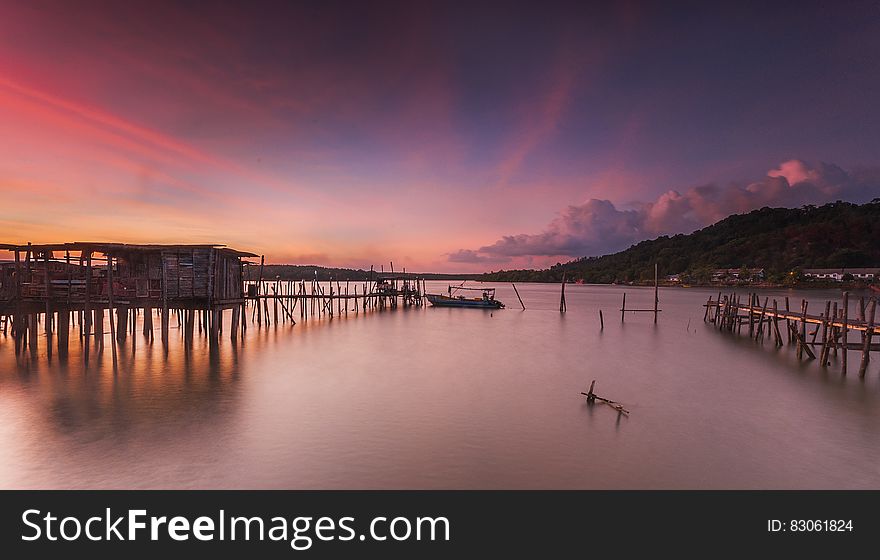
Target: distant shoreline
pixel 812 285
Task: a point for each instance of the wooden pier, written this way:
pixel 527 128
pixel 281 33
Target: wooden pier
pixel 828 331
pixel 59 286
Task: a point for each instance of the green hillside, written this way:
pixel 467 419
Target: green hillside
pixel 780 240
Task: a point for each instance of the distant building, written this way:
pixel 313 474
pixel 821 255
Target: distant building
pixel 737 274
pixel 837 274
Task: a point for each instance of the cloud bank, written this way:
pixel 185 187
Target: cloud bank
pixel 598 227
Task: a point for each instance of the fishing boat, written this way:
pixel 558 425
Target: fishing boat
pixel 454 299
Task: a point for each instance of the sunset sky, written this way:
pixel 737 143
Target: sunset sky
pixel 441 136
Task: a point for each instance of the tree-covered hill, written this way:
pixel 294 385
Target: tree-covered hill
pixel 780 240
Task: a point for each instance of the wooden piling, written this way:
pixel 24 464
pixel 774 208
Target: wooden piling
pixel 32 334
pixel 517 295
pixel 787 322
pixel 562 296
pixel 776 324
pixel 656 291
pixel 869 333
pixel 63 331
pixel 99 327
pixel 761 320
pixel 233 328
pixel 148 321
pixel 751 315
pixel 110 309
pixel 165 318
pixel 121 323
pixel 823 352
pixel 845 332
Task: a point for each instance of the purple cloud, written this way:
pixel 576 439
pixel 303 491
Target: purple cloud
pixel 597 227
pixel 470 256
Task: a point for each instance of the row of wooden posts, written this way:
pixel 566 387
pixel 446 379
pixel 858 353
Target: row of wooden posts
pixel 279 306
pixel 91 326
pixel 338 299
pixel 830 332
pixel 623 310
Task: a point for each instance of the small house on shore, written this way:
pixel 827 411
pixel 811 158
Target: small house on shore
pixel 76 274
pixel 738 275
pixel 838 274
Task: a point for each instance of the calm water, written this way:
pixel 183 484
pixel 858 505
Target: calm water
pixel 448 398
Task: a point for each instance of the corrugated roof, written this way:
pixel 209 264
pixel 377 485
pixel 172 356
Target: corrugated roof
pixel 105 247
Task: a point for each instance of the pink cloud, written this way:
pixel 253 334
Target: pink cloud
pixel 598 227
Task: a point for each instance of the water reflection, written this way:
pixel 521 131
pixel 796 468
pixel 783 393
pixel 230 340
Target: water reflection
pixel 445 398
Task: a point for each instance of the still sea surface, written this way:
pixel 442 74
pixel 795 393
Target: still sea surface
pixel 448 398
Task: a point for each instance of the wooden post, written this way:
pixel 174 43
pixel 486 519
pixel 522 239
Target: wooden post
pixel 259 290
pixel 656 290
pixel 862 316
pixel 751 315
pixel 845 332
pixel 99 327
pixel 190 326
pixel 88 306
pixel 601 321
pixel 562 296
pixel 233 329
pixel 69 276
pixel 32 333
pixel 826 327
pixel 148 321
pixel 121 323
pixel 16 325
pixel 275 301
pixel 835 332
pixel 165 319
pixel 787 322
pixel 802 344
pixel 869 333
pixel 47 280
pixel 216 317
pixel 623 308
pixel 761 320
pixel 804 326
pixel 776 324
pixel 803 336
pixel 110 307
pixel 63 331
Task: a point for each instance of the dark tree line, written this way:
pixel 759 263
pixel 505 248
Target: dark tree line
pixel 780 240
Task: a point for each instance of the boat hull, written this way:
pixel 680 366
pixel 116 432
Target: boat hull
pixel 438 300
